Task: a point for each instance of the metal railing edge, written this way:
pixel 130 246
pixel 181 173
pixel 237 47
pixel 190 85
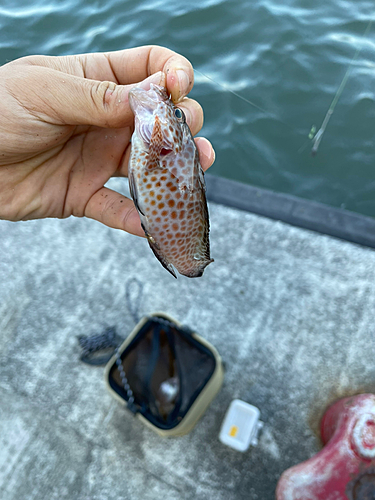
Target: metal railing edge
pixel 307 214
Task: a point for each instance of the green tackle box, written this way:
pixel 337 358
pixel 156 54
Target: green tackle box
pixel 166 374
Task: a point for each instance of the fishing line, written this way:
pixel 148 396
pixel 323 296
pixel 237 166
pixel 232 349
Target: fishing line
pixel 318 136
pixel 244 99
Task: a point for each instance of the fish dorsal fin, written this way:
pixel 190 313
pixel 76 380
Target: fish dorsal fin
pixel 156 143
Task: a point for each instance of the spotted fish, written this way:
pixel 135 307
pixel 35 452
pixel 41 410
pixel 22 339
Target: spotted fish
pixel 167 183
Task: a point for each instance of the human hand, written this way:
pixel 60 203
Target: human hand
pixel 65 129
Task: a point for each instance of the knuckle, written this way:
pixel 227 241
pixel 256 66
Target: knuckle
pixel 105 99
pixel 101 93
pixel 126 217
pixel 105 91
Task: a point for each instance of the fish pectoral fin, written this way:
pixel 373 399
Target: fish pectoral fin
pixel 192 171
pixel 134 192
pixel 156 143
pixel 158 254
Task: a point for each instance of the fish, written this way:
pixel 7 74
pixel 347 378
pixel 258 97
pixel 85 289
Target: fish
pixel 166 182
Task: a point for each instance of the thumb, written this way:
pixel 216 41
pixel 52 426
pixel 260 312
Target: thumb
pixel 66 99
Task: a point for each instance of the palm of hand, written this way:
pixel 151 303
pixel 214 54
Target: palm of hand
pixel 50 169
pixel 65 173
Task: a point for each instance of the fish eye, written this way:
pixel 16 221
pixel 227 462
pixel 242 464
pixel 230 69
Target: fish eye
pixel 179 114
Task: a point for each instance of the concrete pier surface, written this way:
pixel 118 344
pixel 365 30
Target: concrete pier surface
pixel 290 311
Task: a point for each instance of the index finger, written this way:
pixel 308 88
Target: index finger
pixel 134 65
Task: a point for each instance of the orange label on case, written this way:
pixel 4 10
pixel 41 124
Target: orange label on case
pixel 233 431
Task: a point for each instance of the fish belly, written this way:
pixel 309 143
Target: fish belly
pixel 174 221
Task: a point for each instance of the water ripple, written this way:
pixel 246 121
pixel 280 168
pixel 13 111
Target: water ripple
pixel 286 57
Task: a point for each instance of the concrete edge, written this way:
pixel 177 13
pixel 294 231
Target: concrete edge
pixel 296 211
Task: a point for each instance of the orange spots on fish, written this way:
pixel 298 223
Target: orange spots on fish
pixel 168 184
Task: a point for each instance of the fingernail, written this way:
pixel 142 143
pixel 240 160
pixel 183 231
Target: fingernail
pixel 157 78
pixel 183 81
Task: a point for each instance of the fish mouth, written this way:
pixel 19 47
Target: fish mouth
pixel 144 104
pixel 146 101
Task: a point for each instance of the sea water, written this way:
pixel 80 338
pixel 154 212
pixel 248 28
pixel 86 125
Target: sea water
pixel 288 58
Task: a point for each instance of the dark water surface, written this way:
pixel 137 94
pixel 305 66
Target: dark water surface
pixel 287 57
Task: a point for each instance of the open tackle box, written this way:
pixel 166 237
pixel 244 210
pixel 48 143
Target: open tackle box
pixel 166 374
